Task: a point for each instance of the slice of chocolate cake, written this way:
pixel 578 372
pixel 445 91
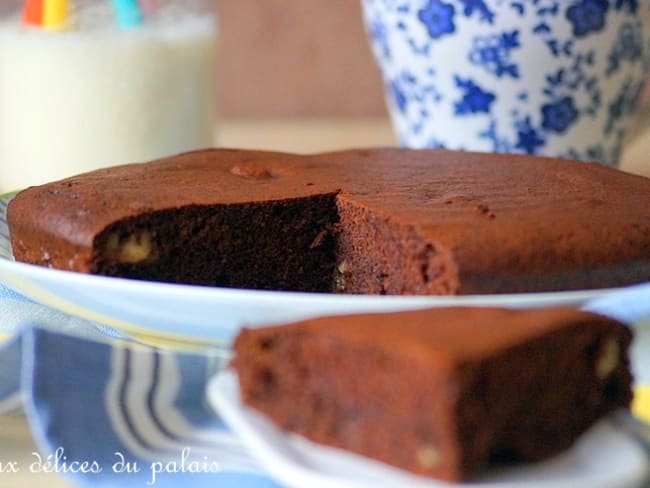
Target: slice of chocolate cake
pixel 441 392
pixel 383 221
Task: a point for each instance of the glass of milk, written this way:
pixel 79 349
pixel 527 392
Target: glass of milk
pixel 96 93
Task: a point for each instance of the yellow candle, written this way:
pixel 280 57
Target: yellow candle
pixel 55 14
pixel 641 403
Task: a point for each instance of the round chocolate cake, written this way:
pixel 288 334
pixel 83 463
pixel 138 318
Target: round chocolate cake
pixel 381 221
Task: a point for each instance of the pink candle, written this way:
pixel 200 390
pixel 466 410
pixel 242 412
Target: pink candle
pixel 148 7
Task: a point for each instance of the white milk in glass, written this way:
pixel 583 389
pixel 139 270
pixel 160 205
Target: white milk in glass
pixel 97 95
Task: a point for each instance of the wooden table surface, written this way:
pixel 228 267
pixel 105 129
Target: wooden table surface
pixel 297 135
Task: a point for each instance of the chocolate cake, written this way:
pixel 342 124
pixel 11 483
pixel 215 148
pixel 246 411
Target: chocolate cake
pixel 384 221
pixel 411 390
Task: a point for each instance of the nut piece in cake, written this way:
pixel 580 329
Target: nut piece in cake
pixel 608 358
pixel 132 249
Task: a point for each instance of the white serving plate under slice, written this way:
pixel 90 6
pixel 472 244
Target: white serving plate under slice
pixel 604 457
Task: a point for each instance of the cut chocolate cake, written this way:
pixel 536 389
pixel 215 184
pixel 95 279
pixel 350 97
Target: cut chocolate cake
pixel 440 392
pixel 384 221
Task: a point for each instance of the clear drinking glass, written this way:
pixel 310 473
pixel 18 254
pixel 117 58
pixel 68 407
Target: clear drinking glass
pixel 97 92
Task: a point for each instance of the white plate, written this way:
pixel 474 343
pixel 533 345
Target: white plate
pixel 602 458
pixel 158 312
pixel 186 313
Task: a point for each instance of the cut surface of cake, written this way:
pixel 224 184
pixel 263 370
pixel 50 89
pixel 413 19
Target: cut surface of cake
pixel 446 392
pixel 380 221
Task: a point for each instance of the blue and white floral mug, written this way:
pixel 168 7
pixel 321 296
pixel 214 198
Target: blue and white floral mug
pixel 549 77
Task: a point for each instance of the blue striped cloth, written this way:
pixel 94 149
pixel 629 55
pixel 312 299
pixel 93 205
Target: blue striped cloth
pixel 135 415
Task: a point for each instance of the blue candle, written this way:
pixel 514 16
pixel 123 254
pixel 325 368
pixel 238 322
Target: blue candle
pixel 128 13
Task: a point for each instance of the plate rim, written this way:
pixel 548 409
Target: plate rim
pixel 31 270
pixel 43 285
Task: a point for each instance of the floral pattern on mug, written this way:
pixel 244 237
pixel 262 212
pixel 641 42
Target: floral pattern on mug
pixel 548 77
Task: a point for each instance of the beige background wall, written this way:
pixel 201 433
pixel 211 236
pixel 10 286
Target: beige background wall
pixel 297 58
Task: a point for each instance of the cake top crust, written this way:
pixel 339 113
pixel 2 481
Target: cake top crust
pixel 447 336
pixel 429 188
pixel 528 215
